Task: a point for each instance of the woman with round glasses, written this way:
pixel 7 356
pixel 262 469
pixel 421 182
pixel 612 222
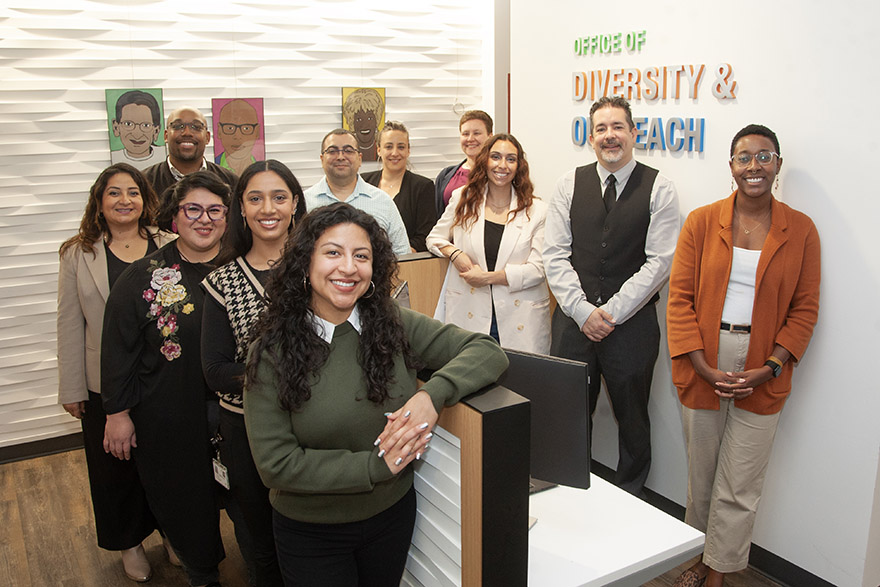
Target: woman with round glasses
pixel 116 230
pixel 267 204
pixel 743 300
pixel 413 194
pixel 151 373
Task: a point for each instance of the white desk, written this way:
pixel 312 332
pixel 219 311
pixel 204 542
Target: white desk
pixel 603 536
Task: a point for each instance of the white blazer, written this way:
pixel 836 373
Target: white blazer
pixel 522 307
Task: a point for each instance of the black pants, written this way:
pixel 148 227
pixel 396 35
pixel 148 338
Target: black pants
pixel 122 515
pixel 249 497
pixel 625 358
pixel 370 553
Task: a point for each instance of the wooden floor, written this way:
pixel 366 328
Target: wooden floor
pixel 47 535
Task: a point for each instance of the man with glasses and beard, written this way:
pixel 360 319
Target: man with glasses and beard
pixel 341 160
pixel 186 135
pixel 609 239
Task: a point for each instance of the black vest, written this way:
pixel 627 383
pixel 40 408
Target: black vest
pixel 609 248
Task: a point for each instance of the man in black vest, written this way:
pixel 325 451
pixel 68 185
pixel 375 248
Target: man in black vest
pixel 610 235
pixel 186 135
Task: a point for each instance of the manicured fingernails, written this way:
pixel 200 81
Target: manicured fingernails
pixel 429 436
pixel 387 414
pixel 406 415
pixel 398 461
pixel 423 426
pixel 418 456
pixel 378 441
pixel 381 453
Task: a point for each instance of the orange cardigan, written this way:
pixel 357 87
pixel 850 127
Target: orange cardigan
pixel 786 300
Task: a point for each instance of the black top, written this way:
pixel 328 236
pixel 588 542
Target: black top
pixel 161 178
pixel 151 336
pixel 116 266
pixel 415 202
pixel 492 242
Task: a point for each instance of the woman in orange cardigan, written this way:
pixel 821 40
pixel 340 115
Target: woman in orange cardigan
pixel 743 300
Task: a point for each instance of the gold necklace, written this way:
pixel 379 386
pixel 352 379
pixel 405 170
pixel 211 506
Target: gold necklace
pixel 749 230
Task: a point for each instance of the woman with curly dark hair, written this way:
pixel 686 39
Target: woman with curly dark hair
pixel 492 233
pixel 116 229
pixel 266 205
pixel 332 441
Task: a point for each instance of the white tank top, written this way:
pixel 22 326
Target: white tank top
pixel 740 296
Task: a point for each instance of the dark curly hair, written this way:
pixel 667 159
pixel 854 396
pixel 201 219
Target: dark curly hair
pixel 174 196
pixel 238 240
pixel 472 196
pixel 756 129
pixel 286 334
pixel 93 223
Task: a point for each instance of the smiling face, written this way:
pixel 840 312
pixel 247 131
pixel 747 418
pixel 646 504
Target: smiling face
pixel 136 130
pixel 340 271
pixel 121 203
pixel 186 145
pixel 754 180
pixel 612 138
pixel 268 206
pixel 365 127
pixel 394 150
pixel 199 240
pixel 239 128
pixel 341 169
pixel 473 135
pixel 502 164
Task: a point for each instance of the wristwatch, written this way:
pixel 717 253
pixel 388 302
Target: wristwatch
pixel 775 366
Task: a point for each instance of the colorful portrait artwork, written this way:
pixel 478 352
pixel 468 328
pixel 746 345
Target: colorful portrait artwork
pixel 363 113
pixel 134 119
pixel 238 132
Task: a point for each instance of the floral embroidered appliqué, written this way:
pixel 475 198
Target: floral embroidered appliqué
pixel 167 297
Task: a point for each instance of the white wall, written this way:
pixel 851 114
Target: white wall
pixel 435 58
pixel 806 72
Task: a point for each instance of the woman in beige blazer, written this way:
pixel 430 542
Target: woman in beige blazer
pixel 492 233
pixel 115 230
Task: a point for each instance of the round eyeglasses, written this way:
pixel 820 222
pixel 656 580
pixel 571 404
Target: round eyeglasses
pixel 195 125
pixel 228 128
pixel 194 211
pixel 762 157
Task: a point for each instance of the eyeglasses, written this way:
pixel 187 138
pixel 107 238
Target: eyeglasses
pixel 228 128
pixel 195 211
pixel 335 151
pixel 195 125
pixel 762 157
pixel 144 126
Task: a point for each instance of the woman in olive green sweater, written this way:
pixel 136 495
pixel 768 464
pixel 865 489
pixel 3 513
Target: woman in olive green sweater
pixel 333 409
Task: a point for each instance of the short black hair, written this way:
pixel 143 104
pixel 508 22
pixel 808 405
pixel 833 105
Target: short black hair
pixel 141 99
pixel 755 129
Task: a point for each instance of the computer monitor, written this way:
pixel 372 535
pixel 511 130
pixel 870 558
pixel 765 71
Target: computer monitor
pixel 560 435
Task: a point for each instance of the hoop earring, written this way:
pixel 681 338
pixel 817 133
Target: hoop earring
pixel 306 283
pixel 372 291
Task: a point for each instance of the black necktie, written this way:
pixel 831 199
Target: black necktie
pixel 610 193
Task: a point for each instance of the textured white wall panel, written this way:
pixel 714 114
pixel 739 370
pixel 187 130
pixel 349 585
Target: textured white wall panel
pixel 56 60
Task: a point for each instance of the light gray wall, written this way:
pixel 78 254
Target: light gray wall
pixel 806 71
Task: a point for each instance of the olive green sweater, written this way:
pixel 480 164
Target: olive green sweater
pixel 319 462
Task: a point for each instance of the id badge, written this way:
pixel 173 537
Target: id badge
pixel 221 475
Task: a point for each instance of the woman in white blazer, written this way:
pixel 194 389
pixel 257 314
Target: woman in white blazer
pixel 492 233
pixel 115 230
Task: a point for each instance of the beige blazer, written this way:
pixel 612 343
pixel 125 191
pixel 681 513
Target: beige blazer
pixel 83 287
pixel 522 307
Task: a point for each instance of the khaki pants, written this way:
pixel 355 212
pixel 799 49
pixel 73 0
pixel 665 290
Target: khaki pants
pixel 728 451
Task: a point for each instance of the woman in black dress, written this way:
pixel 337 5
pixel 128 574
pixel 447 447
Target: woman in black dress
pixel 115 230
pixel 267 203
pixel 413 194
pixel 153 388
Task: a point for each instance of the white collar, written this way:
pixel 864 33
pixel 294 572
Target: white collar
pixel 177 174
pixel 325 329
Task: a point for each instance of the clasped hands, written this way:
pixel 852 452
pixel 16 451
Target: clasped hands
pixel 407 432
pixel 736 386
pixel 472 273
pixel 599 325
